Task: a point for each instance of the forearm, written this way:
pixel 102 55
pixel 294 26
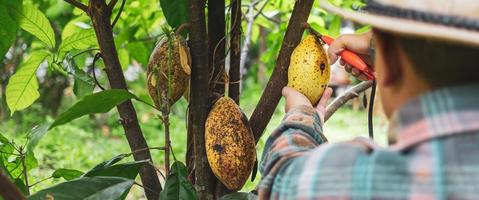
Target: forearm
pixel 299 132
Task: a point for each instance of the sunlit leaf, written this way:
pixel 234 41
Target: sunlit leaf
pixel 335 26
pixel 98 188
pixel 67 174
pixel 80 40
pixel 22 88
pixel 100 102
pixel 34 21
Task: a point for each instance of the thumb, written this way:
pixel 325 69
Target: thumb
pixel 323 102
pixel 334 49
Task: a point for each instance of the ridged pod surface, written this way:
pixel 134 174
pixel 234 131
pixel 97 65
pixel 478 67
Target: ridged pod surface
pixel 230 144
pixel 158 69
pixel 309 69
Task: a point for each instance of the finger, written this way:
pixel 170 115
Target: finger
pixel 323 102
pixel 341 62
pixel 362 77
pixel 355 72
pixel 334 49
pixel 286 91
pixel 347 68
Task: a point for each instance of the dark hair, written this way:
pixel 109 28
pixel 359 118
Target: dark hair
pixel 442 63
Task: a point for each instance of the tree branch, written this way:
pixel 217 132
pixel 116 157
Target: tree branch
pixel 9 191
pixel 235 55
pixel 272 93
pixel 100 14
pixel 199 97
pixel 216 35
pixel 78 4
pixel 112 4
pixel 250 18
pixel 345 97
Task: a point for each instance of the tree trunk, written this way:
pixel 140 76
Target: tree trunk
pixel 272 93
pixel 235 52
pixel 9 191
pixel 100 14
pixel 216 35
pixel 200 97
pixel 217 40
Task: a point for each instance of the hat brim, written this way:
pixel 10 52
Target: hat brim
pixel 406 26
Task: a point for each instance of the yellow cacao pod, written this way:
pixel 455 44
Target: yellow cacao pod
pixel 230 144
pixel 161 69
pixel 309 69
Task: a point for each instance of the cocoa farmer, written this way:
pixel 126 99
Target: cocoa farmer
pixel 427 75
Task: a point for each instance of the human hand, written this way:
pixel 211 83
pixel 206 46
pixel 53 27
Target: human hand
pixel 358 43
pixel 295 98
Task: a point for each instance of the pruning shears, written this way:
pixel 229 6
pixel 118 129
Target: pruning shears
pixel 348 56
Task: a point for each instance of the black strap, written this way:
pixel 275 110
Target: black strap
pixel 370 110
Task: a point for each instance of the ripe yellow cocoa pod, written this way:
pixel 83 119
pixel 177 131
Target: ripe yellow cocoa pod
pixel 230 144
pixel 309 69
pixel 160 68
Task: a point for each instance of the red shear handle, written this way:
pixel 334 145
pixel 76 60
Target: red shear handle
pixel 353 59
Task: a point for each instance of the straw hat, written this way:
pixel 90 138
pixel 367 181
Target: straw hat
pixel 451 20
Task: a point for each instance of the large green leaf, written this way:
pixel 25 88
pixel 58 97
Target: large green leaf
pixel 35 135
pixel 175 11
pixel 75 25
pixel 177 186
pixel 100 102
pixel 126 170
pixel 80 40
pixel 67 174
pixel 34 21
pixel 8 23
pixel 22 88
pixel 91 188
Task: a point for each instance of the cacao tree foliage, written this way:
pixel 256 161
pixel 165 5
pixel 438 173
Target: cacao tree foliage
pixel 43 41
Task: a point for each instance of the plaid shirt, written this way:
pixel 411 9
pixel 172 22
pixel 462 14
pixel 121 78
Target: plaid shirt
pixel 434 140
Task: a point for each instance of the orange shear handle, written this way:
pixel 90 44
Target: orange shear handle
pixel 353 59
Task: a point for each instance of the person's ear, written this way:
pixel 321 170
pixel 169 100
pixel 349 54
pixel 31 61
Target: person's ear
pixel 388 50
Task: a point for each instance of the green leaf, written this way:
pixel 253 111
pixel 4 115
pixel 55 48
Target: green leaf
pixel 20 185
pixel 91 188
pixel 239 196
pixel 139 52
pixel 75 25
pixel 177 185
pixel 8 23
pixel 110 162
pixel 100 102
pixel 83 83
pixel 34 21
pixel 79 40
pixel 67 174
pixel 335 26
pixel 175 11
pixel 364 29
pixel 22 88
pixel 124 57
pixel 126 170
pixel 35 135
